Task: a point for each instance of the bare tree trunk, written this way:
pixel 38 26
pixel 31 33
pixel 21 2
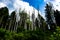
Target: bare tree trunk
pixel 15 27
pixel 20 22
pixel 32 25
pixel 29 26
pixel 14 24
pixel 5 25
pixel 35 27
pixel 1 21
pixel 39 24
pixel 10 24
pixel 25 27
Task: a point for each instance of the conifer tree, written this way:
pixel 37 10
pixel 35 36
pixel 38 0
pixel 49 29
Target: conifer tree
pixel 49 13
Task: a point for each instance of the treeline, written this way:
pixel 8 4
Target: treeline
pixel 25 29
pixel 10 22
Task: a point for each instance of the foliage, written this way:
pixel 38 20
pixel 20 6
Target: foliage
pixel 24 35
pixel 56 35
pixel 5 35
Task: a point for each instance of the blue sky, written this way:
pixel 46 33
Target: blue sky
pixel 12 4
pixel 36 4
pixel 33 3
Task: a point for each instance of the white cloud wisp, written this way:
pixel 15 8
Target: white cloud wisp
pixel 56 4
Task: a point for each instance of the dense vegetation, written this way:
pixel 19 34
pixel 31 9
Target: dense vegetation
pixel 24 29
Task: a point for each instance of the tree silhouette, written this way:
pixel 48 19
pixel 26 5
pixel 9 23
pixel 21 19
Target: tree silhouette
pixel 57 17
pixel 13 21
pixel 3 16
pixel 49 13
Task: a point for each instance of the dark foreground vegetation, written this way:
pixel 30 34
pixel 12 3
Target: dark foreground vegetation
pixel 25 29
pixel 30 35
